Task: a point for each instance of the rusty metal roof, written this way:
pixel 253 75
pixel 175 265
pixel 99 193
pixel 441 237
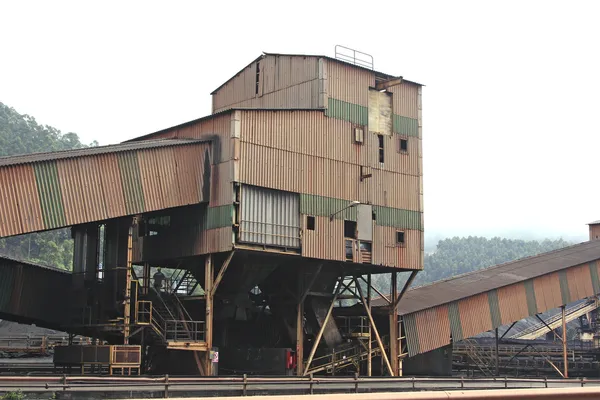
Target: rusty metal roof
pixel 4 257
pixel 88 151
pixel 484 280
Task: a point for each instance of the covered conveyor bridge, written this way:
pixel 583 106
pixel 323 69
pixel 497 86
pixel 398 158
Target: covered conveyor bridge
pixel 47 191
pixel 473 303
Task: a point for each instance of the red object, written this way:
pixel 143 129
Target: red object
pixel 290 359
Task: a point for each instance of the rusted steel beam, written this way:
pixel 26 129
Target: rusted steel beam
pixel 313 350
pixel 379 342
pixel 564 341
pixel 383 296
pixel 411 278
pixel 221 273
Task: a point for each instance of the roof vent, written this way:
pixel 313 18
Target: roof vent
pixel 352 56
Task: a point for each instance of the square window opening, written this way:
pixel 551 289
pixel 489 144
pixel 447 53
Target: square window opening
pixel 403 145
pixel 350 229
pixel 310 223
pixel 400 238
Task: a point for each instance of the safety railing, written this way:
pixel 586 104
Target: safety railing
pixel 345 356
pixel 170 330
pixel 354 326
pixel 353 56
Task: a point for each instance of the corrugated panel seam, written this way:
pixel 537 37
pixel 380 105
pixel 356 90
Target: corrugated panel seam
pixel 412 336
pixel 494 308
pixel 564 287
pixel 50 193
pixel 455 325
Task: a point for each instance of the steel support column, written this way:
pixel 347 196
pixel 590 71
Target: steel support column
pixel 369 344
pixel 393 317
pixel 299 326
pixel 497 355
pixel 564 342
pixel 208 323
pixel 313 350
pixel 384 356
pixel 127 300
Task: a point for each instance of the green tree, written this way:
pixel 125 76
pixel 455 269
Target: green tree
pixel 21 134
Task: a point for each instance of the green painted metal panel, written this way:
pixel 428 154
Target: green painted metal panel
pixel 325 206
pixel 594 275
pixel 133 192
pixel 412 335
pixel 494 308
pixel 455 325
pixel 398 218
pixel 406 126
pixel 347 111
pixel 564 287
pixel 530 294
pixel 6 285
pixel 384 216
pixel 50 193
pixel 218 217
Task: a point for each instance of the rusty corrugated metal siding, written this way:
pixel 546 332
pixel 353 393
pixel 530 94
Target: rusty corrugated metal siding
pixel 593 266
pixel 580 282
pixel 103 183
pixel 594 231
pixel 312 133
pixel 20 208
pixel 49 190
pixel 455 324
pixel 433 328
pixel 530 293
pixel 406 99
pixel 564 287
pixel 284 81
pixel 348 83
pixel 29 291
pixel 389 253
pixel 547 292
pixel 494 304
pixel 513 303
pixel 302 173
pixel 326 241
pixel 475 316
pixel 412 334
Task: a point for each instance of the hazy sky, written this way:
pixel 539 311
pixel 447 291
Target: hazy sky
pixel 511 103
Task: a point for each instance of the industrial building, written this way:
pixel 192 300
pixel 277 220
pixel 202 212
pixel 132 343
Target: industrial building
pixel 269 220
pixel 306 178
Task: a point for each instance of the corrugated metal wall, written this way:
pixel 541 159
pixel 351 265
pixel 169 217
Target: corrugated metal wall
pixel 284 82
pixel 313 133
pixel 387 252
pixel 301 173
pixel 29 292
pixel 269 217
pixel 326 241
pixel 485 311
pixel 95 187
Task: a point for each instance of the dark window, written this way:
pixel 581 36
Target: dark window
pixel 380 140
pixel 350 229
pixel 403 145
pixel 374 216
pixel 310 222
pixel 257 77
pixel 400 237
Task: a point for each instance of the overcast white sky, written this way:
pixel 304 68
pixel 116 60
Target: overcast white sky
pixel 511 103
